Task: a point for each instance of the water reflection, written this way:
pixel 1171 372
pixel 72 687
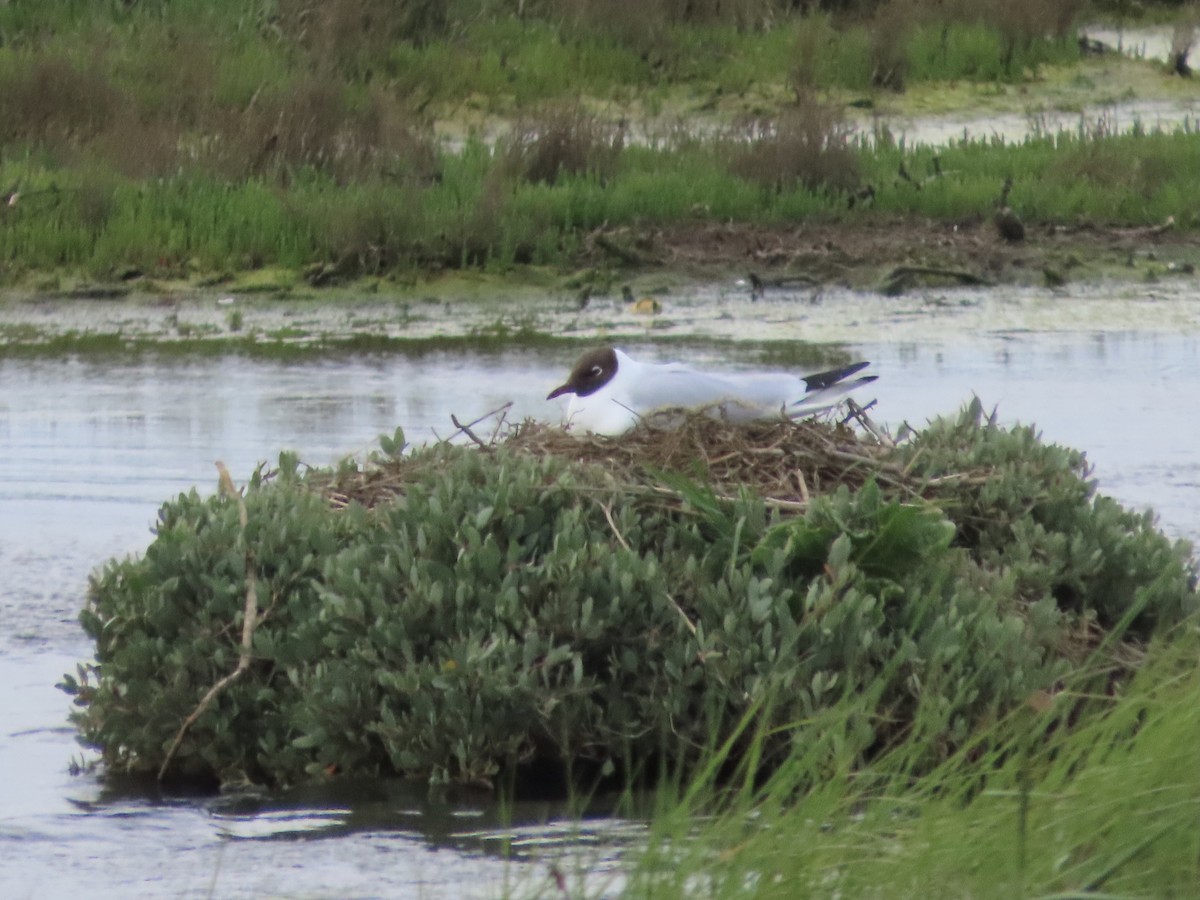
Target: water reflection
pixel 61 834
pixel 517 831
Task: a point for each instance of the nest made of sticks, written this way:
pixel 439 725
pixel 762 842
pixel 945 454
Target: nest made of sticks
pixel 783 461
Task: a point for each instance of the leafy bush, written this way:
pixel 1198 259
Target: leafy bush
pixel 1031 511
pixel 549 606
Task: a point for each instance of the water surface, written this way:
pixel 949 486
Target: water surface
pixel 90 447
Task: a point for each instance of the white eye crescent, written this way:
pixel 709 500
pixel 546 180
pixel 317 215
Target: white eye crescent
pixel 597 371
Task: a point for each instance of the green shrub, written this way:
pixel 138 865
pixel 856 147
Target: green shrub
pixel 1031 511
pixel 463 615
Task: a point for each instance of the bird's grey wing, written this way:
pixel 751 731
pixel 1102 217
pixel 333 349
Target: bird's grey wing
pixel 769 390
pixel 675 385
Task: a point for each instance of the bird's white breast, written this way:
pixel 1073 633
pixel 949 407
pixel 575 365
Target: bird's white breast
pixel 601 413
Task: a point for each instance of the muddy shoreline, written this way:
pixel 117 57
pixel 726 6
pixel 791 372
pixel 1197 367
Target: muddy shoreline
pixel 845 254
pixel 824 284
pixel 861 256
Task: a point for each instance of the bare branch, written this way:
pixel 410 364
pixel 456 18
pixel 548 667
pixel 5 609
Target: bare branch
pixel 607 507
pixel 249 623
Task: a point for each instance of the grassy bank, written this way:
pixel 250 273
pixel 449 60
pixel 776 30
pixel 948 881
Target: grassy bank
pixel 216 57
pixel 485 210
pixel 174 139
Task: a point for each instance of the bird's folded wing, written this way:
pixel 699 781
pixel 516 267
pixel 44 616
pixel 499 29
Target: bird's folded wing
pixel 679 386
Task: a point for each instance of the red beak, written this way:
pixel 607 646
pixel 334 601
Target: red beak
pixel 559 391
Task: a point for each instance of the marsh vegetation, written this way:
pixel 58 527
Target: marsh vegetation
pixel 949 667
pixel 171 141
pixel 957 637
pixel 462 614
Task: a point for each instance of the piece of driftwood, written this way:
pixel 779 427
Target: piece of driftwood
pixel 759 283
pixel 902 278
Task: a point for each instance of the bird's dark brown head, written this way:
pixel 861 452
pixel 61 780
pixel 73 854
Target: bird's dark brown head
pixel 594 370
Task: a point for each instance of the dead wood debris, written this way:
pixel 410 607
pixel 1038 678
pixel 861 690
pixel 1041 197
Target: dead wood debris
pixel 786 463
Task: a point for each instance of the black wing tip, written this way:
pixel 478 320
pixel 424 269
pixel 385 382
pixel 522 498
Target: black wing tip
pixel 820 380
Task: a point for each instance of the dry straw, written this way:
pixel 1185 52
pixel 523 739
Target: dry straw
pixel 786 463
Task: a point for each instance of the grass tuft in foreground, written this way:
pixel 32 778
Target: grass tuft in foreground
pixel 1091 791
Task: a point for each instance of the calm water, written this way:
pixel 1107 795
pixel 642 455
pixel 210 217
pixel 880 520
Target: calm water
pixel 89 448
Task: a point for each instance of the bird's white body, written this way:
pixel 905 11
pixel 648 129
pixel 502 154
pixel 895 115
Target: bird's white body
pixel 637 390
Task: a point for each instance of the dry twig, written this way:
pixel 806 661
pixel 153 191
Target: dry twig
pixel 679 609
pixel 501 411
pixel 249 622
pixel 607 507
pixel 466 429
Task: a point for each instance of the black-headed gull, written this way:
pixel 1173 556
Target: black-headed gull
pixel 611 392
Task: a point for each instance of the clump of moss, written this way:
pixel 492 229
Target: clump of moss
pixel 551 605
